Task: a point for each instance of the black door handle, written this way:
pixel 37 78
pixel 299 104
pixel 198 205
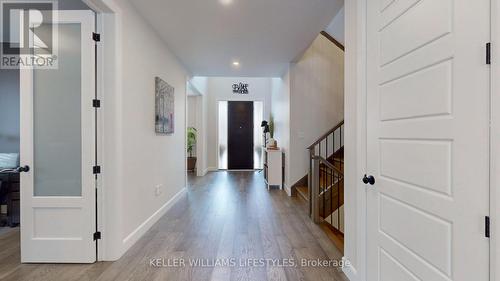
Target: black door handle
pixel 369 180
pixel 24 169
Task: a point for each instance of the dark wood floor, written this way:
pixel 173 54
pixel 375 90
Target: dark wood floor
pixel 224 215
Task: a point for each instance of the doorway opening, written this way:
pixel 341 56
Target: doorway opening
pixel 194 126
pixel 240 140
pixel 48 145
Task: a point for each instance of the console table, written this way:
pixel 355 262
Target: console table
pixel 273 167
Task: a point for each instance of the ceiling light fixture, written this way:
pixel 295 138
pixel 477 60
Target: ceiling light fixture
pixel 226 2
pixel 236 63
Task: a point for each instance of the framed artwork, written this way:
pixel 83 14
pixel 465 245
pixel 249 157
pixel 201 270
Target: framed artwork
pixel 164 107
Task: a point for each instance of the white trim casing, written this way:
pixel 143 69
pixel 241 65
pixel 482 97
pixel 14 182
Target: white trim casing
pixel 100 125
pixel 355 139
pixel 495 143
pixel 349 270
pixel 109 83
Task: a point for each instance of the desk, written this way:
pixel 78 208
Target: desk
pixel 9 195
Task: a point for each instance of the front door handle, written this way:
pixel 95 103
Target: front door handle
pixel 368 180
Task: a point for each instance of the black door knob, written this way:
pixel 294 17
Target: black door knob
pixel 369 180
pixel 25 169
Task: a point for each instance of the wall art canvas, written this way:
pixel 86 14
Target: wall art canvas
pixel 164 107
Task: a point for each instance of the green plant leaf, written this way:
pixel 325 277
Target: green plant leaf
pixel 271 126
pixel 191 139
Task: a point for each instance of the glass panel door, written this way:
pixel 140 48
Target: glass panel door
pixel 57 126
pixel 58 199
pixel 258 116
pixel 222 135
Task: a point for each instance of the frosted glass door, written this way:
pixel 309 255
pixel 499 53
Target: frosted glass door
pixel 57 142
pixel 57 122
pixel 222 135
pixel 258 142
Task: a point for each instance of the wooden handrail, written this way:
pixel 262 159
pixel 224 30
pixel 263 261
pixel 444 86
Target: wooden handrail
pixel 329 37
pixel 320 139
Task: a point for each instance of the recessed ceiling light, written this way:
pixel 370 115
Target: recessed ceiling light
pixel 226 2
pixel 236 63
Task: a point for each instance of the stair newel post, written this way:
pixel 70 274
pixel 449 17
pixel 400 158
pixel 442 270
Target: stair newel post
pixel 315 189
pixel 331 194
pixel 309 179
pixel 340 133
pixel 338 200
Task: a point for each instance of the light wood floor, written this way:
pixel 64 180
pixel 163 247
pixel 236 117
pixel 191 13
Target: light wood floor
pixel 224 215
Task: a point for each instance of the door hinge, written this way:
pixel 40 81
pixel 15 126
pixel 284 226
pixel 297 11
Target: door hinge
pixel 96 37
pixel 97 235
pixel 96 103
pixel 488 53
pixel 487 226
pixel 97 169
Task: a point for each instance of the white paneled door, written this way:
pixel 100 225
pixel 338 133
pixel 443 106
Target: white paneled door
pixel 57 142
pixel 428 138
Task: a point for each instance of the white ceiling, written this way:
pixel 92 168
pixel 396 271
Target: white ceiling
pixel 263 35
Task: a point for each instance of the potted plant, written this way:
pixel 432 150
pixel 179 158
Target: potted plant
pixel 191 143
pixel 272 142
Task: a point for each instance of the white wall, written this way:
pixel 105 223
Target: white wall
pixel 220 89
pixel 316 100
pixel 281 112
pixel 136 160
pixel 149 159
pixel 200 84
pixel 336 27
pixel 192 111
pixel 9 111
pixel 308 101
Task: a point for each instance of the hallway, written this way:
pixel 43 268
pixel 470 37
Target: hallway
pixel 225 215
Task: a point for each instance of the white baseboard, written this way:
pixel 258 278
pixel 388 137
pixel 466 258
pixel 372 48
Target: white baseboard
pixel 288 190
pixel 349 270
pixel 212 169
pixel 202 173
pixel 133 237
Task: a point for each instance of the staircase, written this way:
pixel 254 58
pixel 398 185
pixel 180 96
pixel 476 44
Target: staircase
pixel 325 181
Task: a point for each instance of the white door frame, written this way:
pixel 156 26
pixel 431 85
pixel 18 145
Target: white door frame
pixel 109 81
pixel 495 139
pixel 355 140
pixel 355 29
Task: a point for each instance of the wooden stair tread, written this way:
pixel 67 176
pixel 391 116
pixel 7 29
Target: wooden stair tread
pixel 303 192
pixel 334 235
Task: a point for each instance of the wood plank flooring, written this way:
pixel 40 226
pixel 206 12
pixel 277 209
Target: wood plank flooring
pixel 226 216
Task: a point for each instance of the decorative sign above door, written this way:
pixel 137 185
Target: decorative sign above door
pixel 240 88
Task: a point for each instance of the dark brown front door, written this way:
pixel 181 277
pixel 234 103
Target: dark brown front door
pixel 240 135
